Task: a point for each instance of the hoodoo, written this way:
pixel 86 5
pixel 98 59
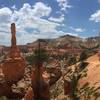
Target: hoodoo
pixel 39 85
pixel 12 67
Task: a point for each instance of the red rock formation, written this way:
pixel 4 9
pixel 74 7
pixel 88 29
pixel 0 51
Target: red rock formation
pixel 29 95
pixel 67 87
pixel 13 66
pixel 5 90
pixel 14 51
pixel 39 85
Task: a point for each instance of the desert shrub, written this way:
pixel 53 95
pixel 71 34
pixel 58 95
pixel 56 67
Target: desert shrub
pixel 39 55
pixel 1 98
pixel 71 60
pixel 88 91
pixel 83 55
pixel 30 58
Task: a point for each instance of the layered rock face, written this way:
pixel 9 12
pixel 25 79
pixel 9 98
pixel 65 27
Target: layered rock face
pixel 13 66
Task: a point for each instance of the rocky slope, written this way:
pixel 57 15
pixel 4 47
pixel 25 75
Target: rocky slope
pixel 66 39
pixel 62 41
pixel 93 77
pixel 93 73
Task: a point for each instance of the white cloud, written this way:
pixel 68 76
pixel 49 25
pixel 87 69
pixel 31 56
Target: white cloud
pixel 5 14
pixel 26 17
pixel 98 1
pixel 14 7
pixel 95 17
pixel 59 19
pixel 77 29
pixel 29 18
pixel 28 11
pixel 41 9
pixel 64 4
pixel 4 38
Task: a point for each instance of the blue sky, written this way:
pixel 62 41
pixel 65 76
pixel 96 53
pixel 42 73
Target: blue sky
pixel 48 19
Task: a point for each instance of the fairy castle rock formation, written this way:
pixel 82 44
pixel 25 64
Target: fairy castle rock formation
pixel 13 66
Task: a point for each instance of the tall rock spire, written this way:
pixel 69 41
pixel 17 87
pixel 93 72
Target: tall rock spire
pixel 13 68
pixel 14 52
pixel 13 31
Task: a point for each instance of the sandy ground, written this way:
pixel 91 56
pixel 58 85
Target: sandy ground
pixel 93 73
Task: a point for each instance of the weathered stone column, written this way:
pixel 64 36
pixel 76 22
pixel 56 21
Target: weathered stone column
pixel 13 32
pixel 39 85
pixel 14 52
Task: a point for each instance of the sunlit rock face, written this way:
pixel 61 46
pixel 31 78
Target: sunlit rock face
pixel 13 70
pixel 14 51
pixel 29 95
pixel 13 66
pixel 39 84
